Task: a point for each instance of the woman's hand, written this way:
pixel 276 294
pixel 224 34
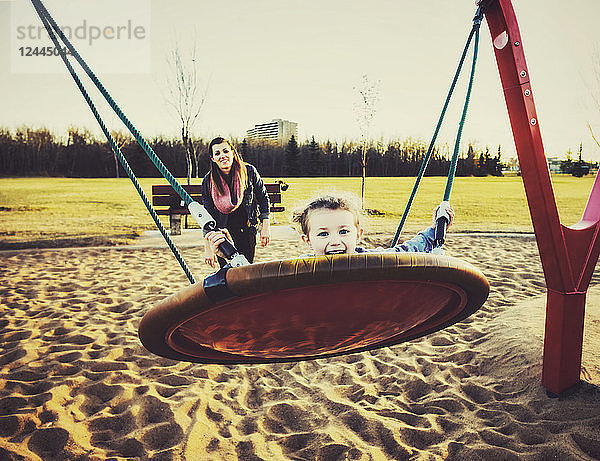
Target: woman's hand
pixel 210 257
pixel 211 248
pixel 265 233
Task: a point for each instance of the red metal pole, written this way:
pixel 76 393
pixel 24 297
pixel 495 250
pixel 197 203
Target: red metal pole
pixel 568 254
pixel 563 340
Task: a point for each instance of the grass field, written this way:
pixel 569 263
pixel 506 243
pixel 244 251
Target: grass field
pixel 56 212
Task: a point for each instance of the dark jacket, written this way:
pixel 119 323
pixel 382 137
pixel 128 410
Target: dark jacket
pixel 255 200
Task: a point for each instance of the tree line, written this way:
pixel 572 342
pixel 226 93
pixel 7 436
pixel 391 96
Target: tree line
pixel 39 152
pixel 577 168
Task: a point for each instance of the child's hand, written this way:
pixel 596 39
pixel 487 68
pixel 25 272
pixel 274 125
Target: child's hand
pixel 213 240
pixel 449 211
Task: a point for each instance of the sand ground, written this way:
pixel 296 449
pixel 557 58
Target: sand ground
pixel 76 384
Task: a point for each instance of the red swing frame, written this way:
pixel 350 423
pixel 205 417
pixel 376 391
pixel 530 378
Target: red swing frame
pixel 568 254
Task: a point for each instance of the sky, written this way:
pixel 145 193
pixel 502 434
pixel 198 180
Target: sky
pixel 303 60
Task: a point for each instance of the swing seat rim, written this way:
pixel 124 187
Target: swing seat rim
pixel 271 284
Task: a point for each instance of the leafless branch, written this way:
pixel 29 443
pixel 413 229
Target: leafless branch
pixel 187 96
pixel 592 133
pixel 364 111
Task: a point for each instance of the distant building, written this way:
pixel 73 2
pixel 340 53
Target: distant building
pixel 279 131
pixel 511 166
pixel 554 164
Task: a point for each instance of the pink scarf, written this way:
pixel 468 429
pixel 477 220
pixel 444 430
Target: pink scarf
pixel 223 202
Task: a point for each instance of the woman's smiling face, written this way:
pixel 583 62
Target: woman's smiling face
pixel 332 232
pixel 222 155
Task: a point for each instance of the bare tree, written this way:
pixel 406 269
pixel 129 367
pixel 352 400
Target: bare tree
pixel 593 134
pixel 364 111
pixel 120 139
pixel 187 96
pixel 596 91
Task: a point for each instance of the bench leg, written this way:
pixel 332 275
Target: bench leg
pixel 175 221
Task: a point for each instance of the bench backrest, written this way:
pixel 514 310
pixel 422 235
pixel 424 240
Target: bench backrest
pixel 164 195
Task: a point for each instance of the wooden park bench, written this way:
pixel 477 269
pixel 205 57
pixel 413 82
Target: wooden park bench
pixel 169 203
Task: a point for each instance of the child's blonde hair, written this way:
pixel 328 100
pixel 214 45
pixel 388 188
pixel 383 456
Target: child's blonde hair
pixel 331 200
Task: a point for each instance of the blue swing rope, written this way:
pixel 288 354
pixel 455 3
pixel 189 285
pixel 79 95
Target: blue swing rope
pixel 51 27
pixel 474 32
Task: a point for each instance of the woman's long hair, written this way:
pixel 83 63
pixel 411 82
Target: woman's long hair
pixel 238 168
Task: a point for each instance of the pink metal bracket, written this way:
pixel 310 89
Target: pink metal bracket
pixel 568 254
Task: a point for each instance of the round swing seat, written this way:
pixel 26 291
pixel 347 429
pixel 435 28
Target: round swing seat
pixel 314 307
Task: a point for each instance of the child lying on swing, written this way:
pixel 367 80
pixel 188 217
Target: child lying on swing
pixel 330 224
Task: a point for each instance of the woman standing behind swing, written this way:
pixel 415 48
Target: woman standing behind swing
pixel 235 196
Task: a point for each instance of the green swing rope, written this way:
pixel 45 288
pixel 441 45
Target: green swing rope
pixel 452 172
pixel 474 32
pixel 51 27
pixel 50 24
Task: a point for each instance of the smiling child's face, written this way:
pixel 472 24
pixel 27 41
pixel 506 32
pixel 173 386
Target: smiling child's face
pixel 332 232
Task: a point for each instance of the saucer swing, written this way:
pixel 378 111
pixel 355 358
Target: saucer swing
pixel 568 255
pixel 303 308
